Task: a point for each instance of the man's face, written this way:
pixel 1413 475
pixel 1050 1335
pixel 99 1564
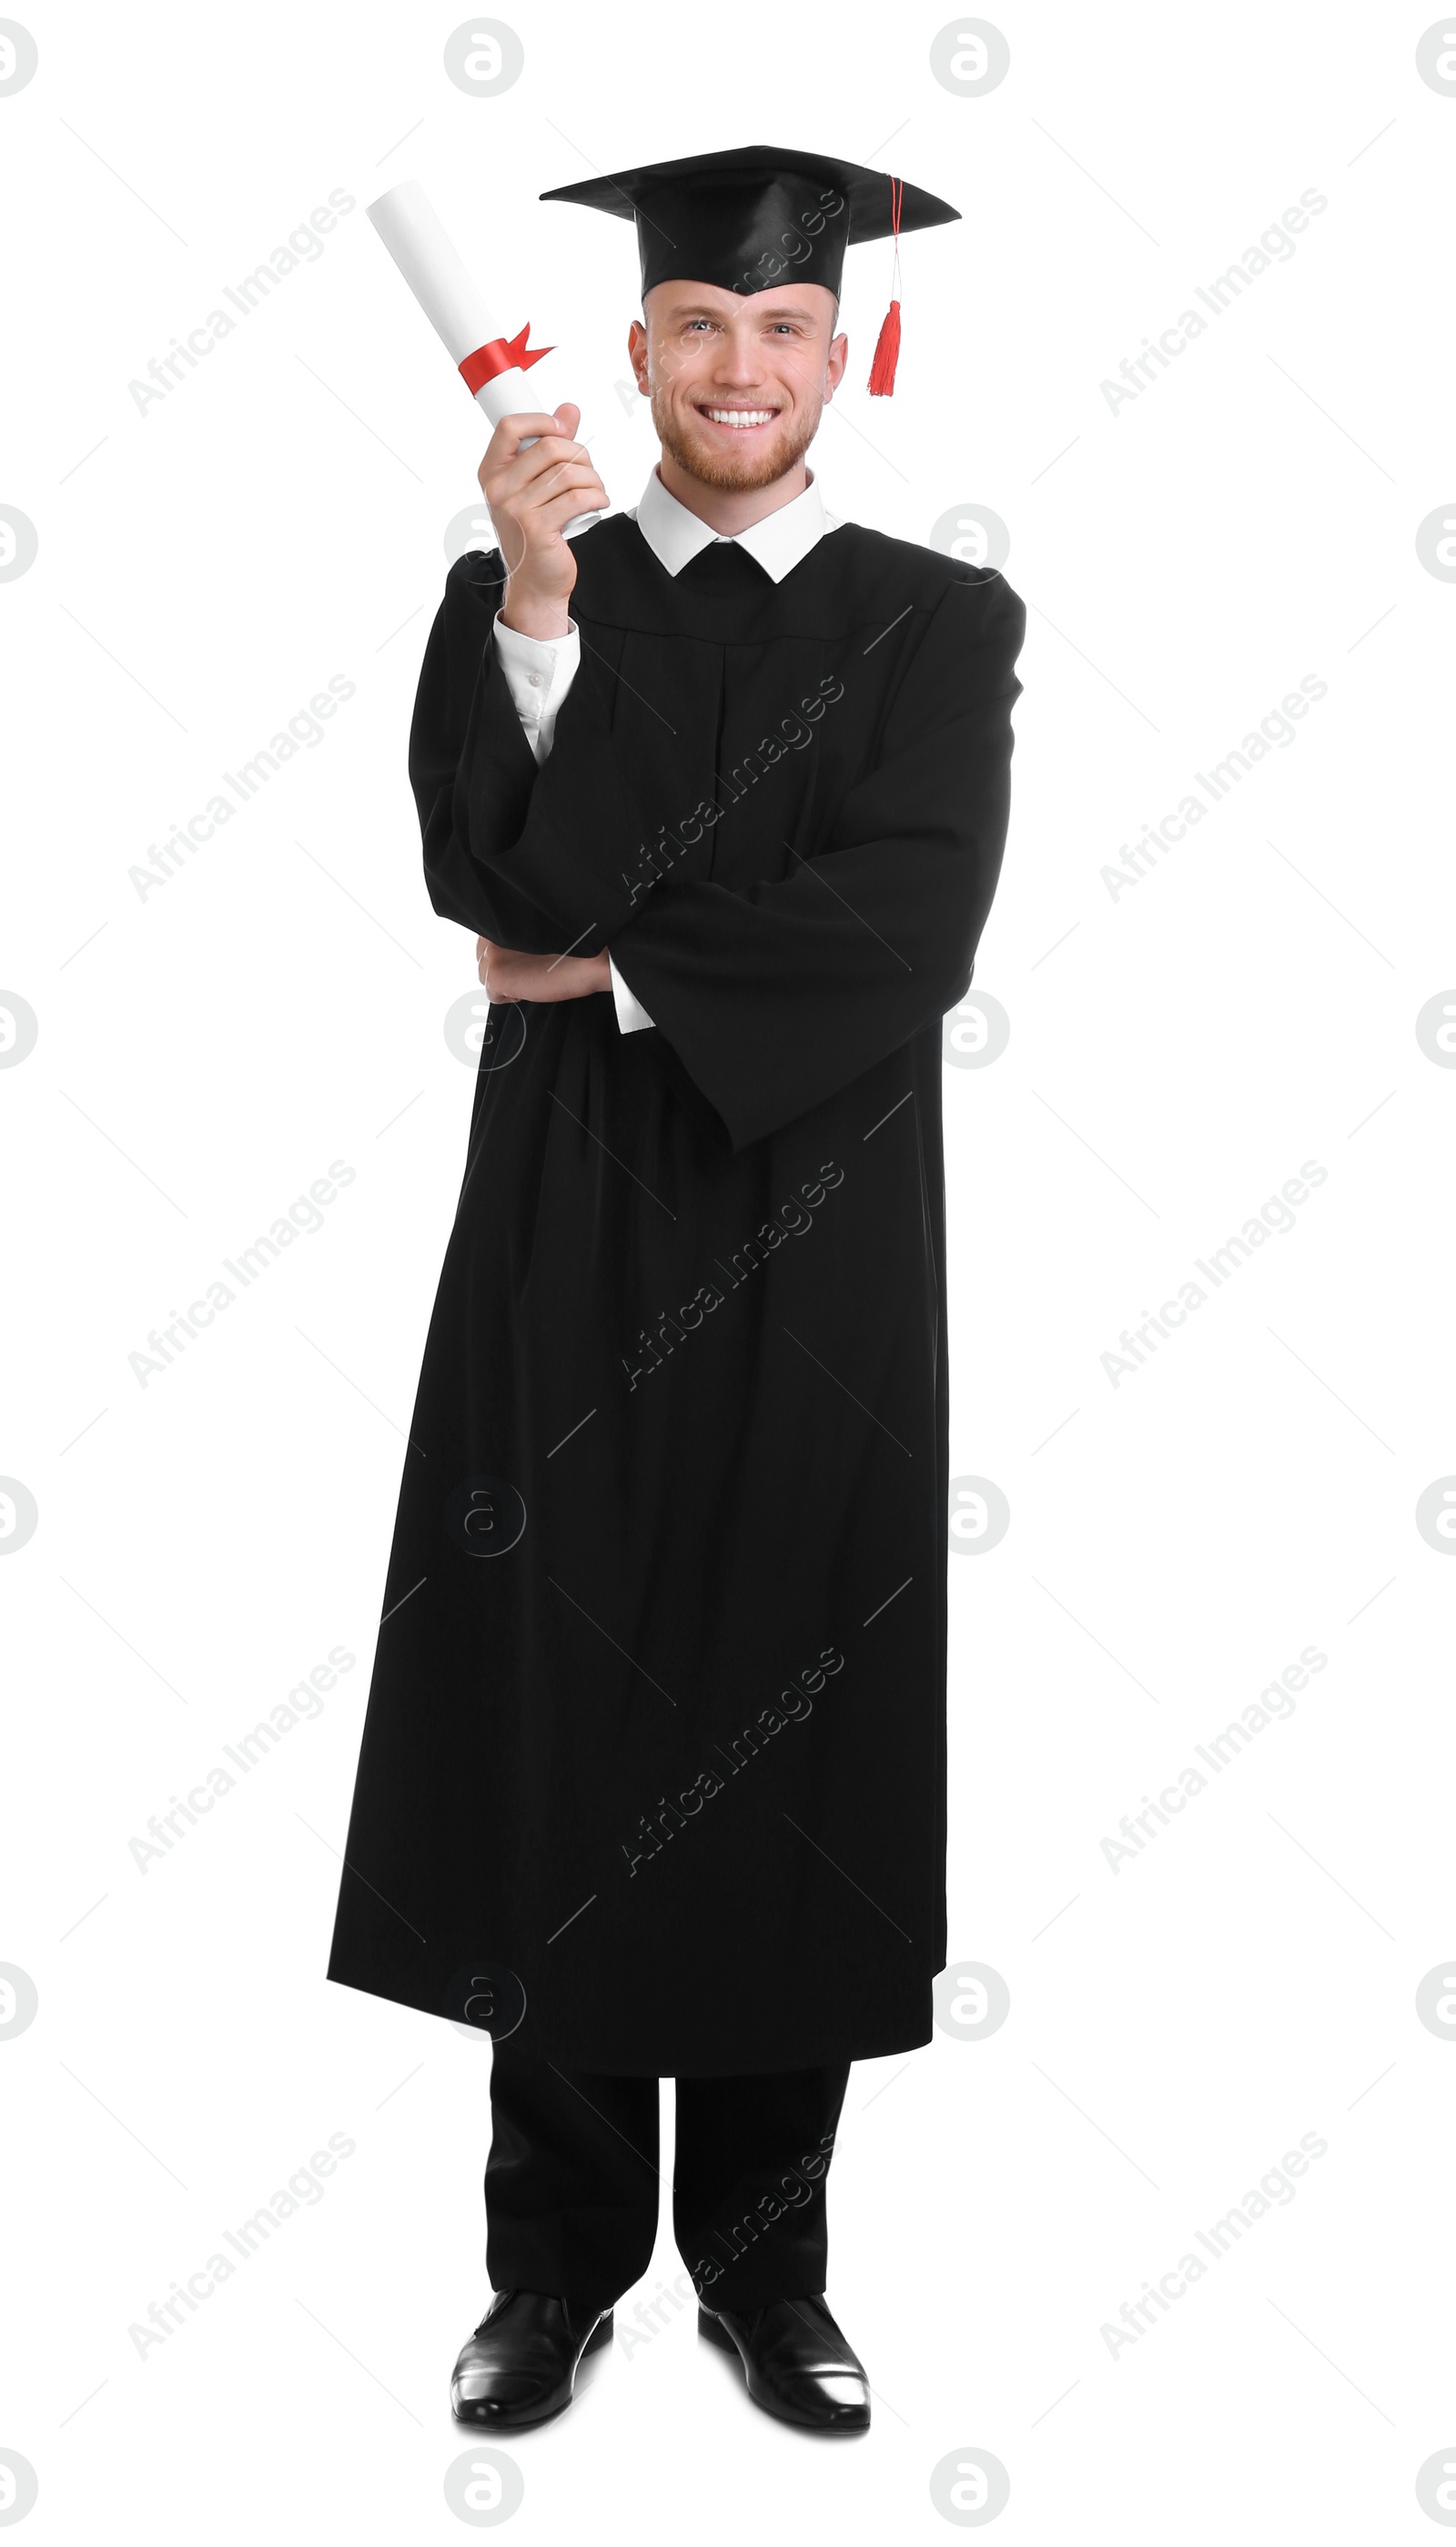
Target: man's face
pixel 738 382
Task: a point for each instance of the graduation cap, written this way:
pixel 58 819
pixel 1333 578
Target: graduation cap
pixel 748 219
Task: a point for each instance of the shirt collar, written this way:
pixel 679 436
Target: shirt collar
pixel 779 542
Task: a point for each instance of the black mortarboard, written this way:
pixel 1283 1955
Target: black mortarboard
pixel 750 219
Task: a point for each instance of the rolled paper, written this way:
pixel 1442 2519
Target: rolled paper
pixel 491 364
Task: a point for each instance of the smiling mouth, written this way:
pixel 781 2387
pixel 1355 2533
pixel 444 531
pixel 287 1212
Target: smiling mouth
pixel 739 419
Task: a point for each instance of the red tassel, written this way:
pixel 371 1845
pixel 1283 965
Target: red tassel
pixel 887 351
pixel 887 355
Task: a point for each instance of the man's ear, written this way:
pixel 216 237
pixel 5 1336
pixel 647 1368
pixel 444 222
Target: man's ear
pixel 636 354
pixel 834 366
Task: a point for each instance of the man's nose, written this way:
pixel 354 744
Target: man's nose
pixel 742 365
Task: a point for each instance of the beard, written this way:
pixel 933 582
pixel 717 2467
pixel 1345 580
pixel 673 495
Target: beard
pixel 734 471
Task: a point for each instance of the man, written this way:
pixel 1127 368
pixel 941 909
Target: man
pixel 652 1780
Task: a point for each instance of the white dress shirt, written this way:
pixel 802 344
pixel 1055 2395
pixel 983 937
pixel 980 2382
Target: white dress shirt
pixel 540 671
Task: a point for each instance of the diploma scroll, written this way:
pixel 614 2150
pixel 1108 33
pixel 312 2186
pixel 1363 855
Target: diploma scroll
pixel 491 364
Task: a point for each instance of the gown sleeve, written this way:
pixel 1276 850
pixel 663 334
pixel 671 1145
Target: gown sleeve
pixel 775 997
pixel 537 859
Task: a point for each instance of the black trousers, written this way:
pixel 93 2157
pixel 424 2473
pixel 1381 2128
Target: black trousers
pixel 571 2182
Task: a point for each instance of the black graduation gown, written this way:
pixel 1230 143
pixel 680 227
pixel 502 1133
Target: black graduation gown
pixel 656 1732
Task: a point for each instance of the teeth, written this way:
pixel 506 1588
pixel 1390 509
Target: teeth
pixel 740 415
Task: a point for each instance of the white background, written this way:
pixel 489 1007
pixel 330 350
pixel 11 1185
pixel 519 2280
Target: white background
pixel 1176 1053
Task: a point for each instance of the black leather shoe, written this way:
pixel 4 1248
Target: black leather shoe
pixel 796 2363
pixel 520 2364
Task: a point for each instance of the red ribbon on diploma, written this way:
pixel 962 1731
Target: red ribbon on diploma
pixel 500 356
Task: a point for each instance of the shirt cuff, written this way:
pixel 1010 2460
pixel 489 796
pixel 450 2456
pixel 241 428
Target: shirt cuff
pixel 539 670
pixel 631 1015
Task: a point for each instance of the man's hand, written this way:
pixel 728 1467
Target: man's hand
pixel 532 494
pixel 510 976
